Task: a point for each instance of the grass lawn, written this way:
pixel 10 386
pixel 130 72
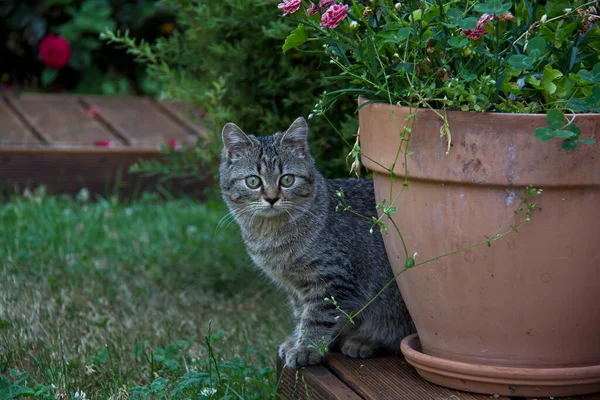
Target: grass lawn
pixel 117 300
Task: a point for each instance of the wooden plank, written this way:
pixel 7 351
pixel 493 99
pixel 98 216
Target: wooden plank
pixel 138 120
pixel 12 129
pixel 194 119
pixel 312 383
pixel 101 171
pixel 391 378
pixel 61 119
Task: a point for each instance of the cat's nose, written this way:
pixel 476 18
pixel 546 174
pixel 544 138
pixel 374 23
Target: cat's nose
pixel 271 200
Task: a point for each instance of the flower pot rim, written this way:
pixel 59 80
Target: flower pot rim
pixel 498 379
pixel 410 348
pixel 363 99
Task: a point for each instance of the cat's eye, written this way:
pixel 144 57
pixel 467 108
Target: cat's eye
pixel 287 180
pixel 253 181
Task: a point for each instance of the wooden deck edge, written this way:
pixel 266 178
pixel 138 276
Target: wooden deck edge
pixel 104 172
pixel 314 383
pixel 80 150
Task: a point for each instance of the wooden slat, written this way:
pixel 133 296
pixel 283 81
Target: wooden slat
pixel 138 120
pixel 192 118
pixel 312 383
pixel 12 130
pixel 391 378
pixel 61 119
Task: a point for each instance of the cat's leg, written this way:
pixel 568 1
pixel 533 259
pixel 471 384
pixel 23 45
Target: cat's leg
pixel 379 329
pixel 292 340
pixel 319 323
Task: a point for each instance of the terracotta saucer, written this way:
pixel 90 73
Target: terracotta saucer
pixel 507 381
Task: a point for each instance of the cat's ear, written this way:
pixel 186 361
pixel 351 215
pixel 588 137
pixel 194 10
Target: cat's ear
pixel 235 141
pixel 296 137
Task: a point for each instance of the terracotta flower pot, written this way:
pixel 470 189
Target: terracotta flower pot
pixel 521 317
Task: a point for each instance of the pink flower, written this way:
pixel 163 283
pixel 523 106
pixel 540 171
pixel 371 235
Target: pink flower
pixel 312 10
pixel 92 111
pixel 174 144
pixel 105 143
pixel 326 3
pixel 334 15
pixel 289 6
pixel 479 29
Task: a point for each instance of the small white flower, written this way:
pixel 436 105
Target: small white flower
pixel 190 230
pixel 543 19
pixel 353 25
pixel 208 391
pixel 83 195
pixel 80 394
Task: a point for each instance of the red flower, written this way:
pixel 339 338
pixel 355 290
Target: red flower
pixel 312 10
pixel 54 51
pixel 92 111
pixel 289 6
pixel 105 143
pixel 174 144
pixel 334 15
pixel 479 29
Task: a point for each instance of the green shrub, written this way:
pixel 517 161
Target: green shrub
pixel 226 57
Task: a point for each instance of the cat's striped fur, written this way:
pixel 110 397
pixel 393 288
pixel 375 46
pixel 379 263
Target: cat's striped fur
pixel 311 250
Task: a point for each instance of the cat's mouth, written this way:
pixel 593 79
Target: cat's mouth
pixel 271 210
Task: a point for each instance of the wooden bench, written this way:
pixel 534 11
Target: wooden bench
pixel 382 378
pixel 68 142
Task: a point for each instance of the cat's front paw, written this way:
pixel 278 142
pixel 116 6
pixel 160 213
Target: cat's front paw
pixel 301 356
pixel 357 349
pixel 286 346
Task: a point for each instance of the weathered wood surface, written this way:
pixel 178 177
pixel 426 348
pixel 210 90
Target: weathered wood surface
pixel 13 130
pixel 68 142
pixel 382 378
pixel 138 121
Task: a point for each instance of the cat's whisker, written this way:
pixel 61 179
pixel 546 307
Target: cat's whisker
pixel 228 219
pixel 298 207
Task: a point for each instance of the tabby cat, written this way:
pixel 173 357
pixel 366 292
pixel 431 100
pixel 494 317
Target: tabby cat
pixel 287 214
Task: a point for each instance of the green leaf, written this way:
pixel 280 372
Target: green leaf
pixel 521 61
pixel 159 384
pixel 564 133
pixel 592 76
pixel 458 43
pixel 410 262
pixel 468 23
pixel 536 47
pixel 588 141
pixel 496 7
pixel 455 15
pixel 550 75
pixel 555 118
pixel 575 129
pixel 101 357
pixel 48 76
pixel 569 144
pixel 296 38
pixel 544 133
pixel 394 35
